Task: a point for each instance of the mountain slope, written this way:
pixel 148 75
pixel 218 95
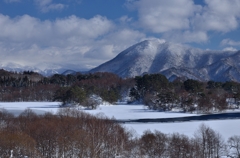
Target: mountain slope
pixel 174 60
pixel 50 70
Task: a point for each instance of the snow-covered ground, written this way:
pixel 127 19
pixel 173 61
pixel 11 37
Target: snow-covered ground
pixel 39 107
pixel 134 112
pixel 225 127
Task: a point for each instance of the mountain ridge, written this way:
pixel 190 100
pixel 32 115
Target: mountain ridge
pixel 155 56
pixel 174 60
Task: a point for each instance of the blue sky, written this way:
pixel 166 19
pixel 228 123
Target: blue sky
pixel 86 33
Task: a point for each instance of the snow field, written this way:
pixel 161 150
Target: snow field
pixel 226 128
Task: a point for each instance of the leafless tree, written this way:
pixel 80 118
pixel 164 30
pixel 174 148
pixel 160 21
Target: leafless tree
pixel 211 143
pixel 233 144
pixel 153 144
pixel 179 146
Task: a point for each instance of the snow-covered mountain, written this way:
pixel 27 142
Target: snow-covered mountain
pixel 174 60
pixel 53 69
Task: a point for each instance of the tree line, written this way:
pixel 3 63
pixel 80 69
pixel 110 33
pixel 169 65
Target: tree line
pixel 73 133
pixel 153 90
pixel 189 95
pixel 69 89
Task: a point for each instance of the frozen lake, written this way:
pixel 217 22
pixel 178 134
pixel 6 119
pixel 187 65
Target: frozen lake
pixel 225 127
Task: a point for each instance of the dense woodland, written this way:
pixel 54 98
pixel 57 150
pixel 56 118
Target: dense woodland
pixel 72 133
pixel 189 95
pixel 69 89
pixel 154 90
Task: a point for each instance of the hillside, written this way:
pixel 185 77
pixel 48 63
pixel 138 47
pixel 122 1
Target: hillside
pixel 174 60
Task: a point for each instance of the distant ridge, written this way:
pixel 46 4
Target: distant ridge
pixel 69 72
pixel 50 70
pixel 173 61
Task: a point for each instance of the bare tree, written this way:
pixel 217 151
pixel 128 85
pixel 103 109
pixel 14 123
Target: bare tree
pixel 234 146
pixel 211 143
pixel 153 144
pixel 179 146
pixel 17 144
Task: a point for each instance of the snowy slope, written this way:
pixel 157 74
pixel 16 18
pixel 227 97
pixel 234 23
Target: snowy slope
pixel 174 60
pixel 48 70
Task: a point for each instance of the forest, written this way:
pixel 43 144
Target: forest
pixel 89 90
pixel 73 133
pixel 68 89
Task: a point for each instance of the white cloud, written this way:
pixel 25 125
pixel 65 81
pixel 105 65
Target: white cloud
pixel 29 29
pixel 230 42
pixel 125 19
pixel 27 40
pixel 114 43
pixel 43 2
pixel 102 52
pixel 186 36
pixel 218 15
pixel 11 1
pixel 53 7
pixel 230 49
pixel 47 5
pixel 125 36
pixel 72 40
pixel 161 16
pixel 185 21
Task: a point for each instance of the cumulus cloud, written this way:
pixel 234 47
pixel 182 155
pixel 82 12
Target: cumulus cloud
pixel 230 42
pixel 29 29
pixel 186 36
pixel 184 20
pixel 125 36
pixel 125 19
pixel 27 40
pixel 47 5
pixel 85 43
pixel 218 15
pixel 161 16
pixel 113 43
pixel 230 49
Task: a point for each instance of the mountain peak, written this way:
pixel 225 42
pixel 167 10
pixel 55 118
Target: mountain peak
pixel 173 60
